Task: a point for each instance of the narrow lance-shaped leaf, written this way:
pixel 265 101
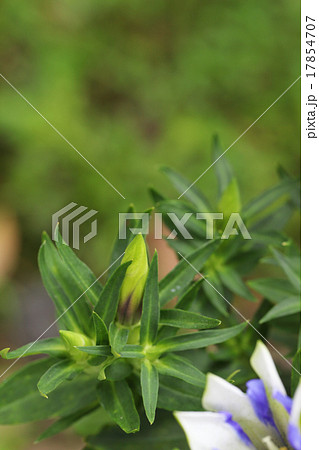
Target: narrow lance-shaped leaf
pixel 187 299
pixel 64 423
pixel 81 273
pixel 178 367
pixel 118 337
pixel 20 401
pixel 132 351
pixel 215 295
pixel 59 372
pixel 108 302
pixel 290 269
pixel 183 186
pixel 276 220
pixel 261 202
pixel 286 307
pixel 150 308
pixel 156 196
pixel 69 300
pixel 182 274
pixel 230 201
pixel 49 346
pixel 193 226
pixel 186 319
pixel 118 370
pixel 175 394
pixel 222 168
pixel 274 289
pixel 117 399
pixel 234 283
pixel 165 433
pixel 149 385
pixel 96 350
pixel 101 333
pixel 198 340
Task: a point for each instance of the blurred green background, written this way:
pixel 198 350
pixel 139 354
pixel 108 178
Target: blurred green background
pixel 133 86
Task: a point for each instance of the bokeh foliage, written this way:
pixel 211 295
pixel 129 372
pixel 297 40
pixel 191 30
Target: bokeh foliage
pixel 145 83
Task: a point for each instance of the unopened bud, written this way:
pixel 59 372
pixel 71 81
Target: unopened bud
pixel 135 278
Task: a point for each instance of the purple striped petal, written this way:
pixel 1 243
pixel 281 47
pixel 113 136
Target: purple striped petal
pixel 285 400
pixel 240 432
pixel 256 393
pixel 294 437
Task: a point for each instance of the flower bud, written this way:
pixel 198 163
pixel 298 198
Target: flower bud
pixel 134 281
pixel 71 340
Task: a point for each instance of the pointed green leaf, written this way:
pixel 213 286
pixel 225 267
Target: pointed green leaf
pixel 230 200
pixel 286 307
pixel 155 195
pixel 174 394
pixel 183 186
pixel 261 202
pixel 222 168
pixel 215 296
pixel 49 346
pixel 149 384
pixel 164 434
pixel 178 367
pixel 59 372
pixel 69 299
pixel 235 284
pixel 118 370
pixel 276 220
pixel 289 266
pixel 150 307
pixel 199 339
pixel 118 337
pixel 186 319
pixel 274 289
pixel 64 423
pixel 108 302
pixel 195 227
pixel 101 333
pixel 181 276
pixel 96 350
pixel 187 299
pixel 132 351
pixel 20 401
pixel 81 273
pixel 117 399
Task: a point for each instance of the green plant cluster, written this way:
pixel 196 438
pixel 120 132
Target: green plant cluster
pixel 118 351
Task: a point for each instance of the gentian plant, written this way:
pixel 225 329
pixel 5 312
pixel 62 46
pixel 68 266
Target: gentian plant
pixel 113 338
pixel 117 365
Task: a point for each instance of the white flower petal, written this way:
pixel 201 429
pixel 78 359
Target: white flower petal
pixel 263 364
pixel 220 395
pixel 209 431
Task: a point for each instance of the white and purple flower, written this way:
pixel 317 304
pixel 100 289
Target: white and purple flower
pixel 264 418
